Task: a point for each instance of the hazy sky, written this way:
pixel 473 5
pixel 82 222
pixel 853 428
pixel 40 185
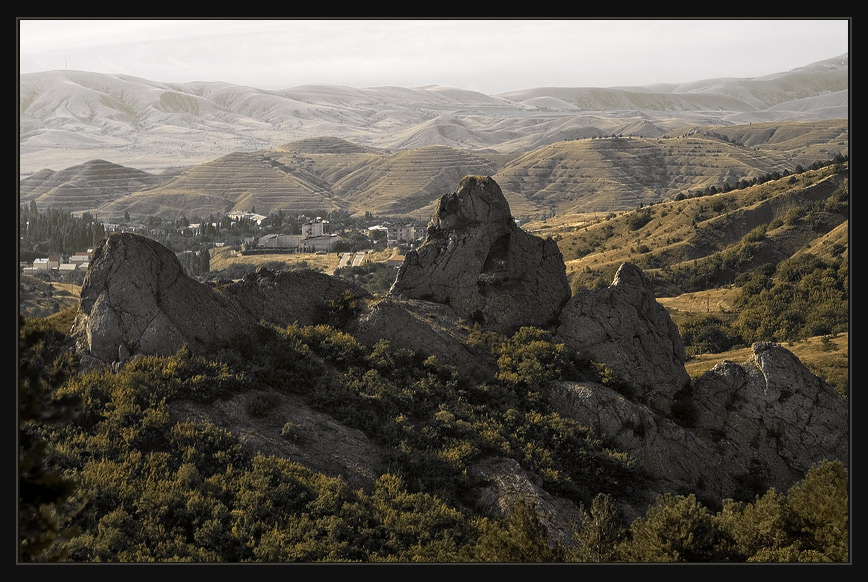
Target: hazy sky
pixel 487 55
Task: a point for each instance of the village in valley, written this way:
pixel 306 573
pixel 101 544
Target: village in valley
pixel 354 246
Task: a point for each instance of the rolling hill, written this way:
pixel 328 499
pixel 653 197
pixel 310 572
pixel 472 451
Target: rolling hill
pixel 594 174
pixel 67 118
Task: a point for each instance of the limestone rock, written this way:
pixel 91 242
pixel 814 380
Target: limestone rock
pixel 505 483
pixel 774 416
pixel 479 262
pixel 760 424
pixel 426 328
pixel 136 299
pixel 624 327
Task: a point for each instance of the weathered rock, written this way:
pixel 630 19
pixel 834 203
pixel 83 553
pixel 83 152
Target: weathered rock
pixel 624 327
pixel 673 457
pixel 136 299
pixel 479 262
pixel 505 483
pixel 426 328
pixel 746 427
pixel 771 415
pixel 319 442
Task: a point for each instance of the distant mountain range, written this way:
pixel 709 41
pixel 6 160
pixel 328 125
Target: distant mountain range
pixel 111 143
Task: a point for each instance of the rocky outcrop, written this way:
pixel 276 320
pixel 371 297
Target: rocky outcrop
pixel 624 327
pixel 735 431
pixel 479 262
pixel 770 416
pixel 304 297
pixel 505 482
pixel 426 328
pixel 740 429
pixel 136 299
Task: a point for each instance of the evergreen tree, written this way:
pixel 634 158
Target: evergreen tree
pixel 601 530
pixel 522 538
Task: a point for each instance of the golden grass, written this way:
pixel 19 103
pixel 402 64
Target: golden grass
pixel 224 257
pixel 710 301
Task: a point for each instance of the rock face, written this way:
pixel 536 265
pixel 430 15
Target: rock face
pixel 427 328
pixel 738 429
pixel 759 424
pixel 302 297
pixel 479 262
pixel 625 328
pixel 136 299
pixel 771 414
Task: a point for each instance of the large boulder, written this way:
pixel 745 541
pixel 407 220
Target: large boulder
pixel 742 428
pixel 624 327
pixel 302 297
pixel 136 299
pixel 479 262
pixel 426 328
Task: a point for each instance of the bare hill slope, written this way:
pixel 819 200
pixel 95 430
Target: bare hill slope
pixel 70 117
pixel 597 174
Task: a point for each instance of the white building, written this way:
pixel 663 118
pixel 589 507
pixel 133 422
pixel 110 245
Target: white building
pixel 237 215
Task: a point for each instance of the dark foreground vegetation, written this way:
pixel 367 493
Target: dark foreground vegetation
pixel 107 475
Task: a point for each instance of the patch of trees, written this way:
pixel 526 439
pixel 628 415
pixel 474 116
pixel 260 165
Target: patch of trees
pixel 111 477
pixel 805 296
pixel 55 231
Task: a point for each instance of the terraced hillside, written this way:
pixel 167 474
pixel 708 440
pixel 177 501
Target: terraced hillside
pixel 596 174
pixel 403 183
pixel 242 181
pixel 85 187
pixel 69 117
pixel 618 173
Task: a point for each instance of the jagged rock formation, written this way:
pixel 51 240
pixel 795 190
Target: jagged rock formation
pixel 745 426
pixel 479 262
pixel 625 328
pixel 303 297
pixel 771 414
pixel 424 327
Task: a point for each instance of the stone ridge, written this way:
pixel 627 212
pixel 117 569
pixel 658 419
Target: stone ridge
pixel 136 299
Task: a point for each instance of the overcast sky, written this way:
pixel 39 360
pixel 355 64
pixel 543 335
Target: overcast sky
pixel 489 55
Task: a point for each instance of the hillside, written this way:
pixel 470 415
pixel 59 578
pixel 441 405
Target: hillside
pixel 67 118
pixel 510 421
pixel 672 237
pixel 593 174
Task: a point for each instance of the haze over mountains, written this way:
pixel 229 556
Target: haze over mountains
pixel 114 143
